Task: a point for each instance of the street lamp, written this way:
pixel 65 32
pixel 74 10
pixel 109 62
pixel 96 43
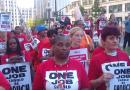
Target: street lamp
pixel 49 15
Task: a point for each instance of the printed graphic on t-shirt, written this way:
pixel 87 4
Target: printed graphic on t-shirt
pixel 20 39
pixel 61 80
pixel 35 42
pixel 27 46
pixel 87 25
pixel 102 24
pixel 45 52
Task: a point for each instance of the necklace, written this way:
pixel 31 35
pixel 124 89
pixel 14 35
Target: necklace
pixel 113 53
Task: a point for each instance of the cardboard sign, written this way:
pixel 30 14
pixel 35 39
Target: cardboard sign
pixel 102 24
pixel 121 80
pixel 81 55
pixel 18 75
pixel 108 67
pixel 5 22
pixel 35 42
pixel 27 46
pixel 87 25
pixel 62 80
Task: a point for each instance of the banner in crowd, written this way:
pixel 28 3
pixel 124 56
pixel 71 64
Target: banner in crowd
pixel 81 55
pixel 109 67
pixel 121 80
pixel 5 22
pixel 18 75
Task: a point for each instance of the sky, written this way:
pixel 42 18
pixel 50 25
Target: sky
pixel 25 3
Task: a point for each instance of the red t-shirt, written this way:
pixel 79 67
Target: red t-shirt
pixel 43 47
pixel 101 23
pixel 95 68
pixel 72 74
pixel 22 39
pixel 97 50
pixel 3 82
pixel 6 56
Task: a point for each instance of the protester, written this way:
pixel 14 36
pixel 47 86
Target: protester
pixel 97 76
pixel 58 72
pixel 4 84
pixel 127 32
pixel 88 25
pixel 112 20
pixel 77 52
pixel 21 36
pixel 13 52
pixel 86 39
pixel 101 23
pixel 45 45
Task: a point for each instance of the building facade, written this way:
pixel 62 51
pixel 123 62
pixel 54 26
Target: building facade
pixel 120 8
pixel 40 7
pixel 17 13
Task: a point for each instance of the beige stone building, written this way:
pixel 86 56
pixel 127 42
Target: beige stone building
pixel 120 8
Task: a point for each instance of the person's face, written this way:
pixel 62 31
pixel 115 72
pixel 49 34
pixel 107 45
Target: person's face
pixel 80 24
pixel 86 16
pixel 18 30
pixel 43 33
pixel 60 31
pixel 112 16
pixel 111 42
pixel 52 38
pixel 13 44
pixel 77 37
pixel 61 49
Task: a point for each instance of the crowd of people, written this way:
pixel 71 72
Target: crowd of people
pixel 66 57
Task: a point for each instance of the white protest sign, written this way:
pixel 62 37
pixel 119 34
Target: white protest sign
pixel 18 75
pixel 81 55
pixel 62 80
pixel 5 22
pixel 107 66
pixel 45 52
pixel 35 42
pixel 121 80
pixel 87 25
pixel 2 48
pixel 27 46
pixel 102 24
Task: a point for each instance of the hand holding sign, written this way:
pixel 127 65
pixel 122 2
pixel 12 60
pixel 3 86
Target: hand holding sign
pixel 1 88
pixel 106 77
pixel 15 59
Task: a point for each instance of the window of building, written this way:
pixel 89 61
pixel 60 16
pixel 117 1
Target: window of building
pixel 104 0
pixel 115 8
pixel 85 2
pixel 111 0
pixel 127 7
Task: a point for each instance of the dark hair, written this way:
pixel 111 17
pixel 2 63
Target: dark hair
pixel 109 30
pixel 17 27
pixel 59 37
pixel 51 32
pixel 9 51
